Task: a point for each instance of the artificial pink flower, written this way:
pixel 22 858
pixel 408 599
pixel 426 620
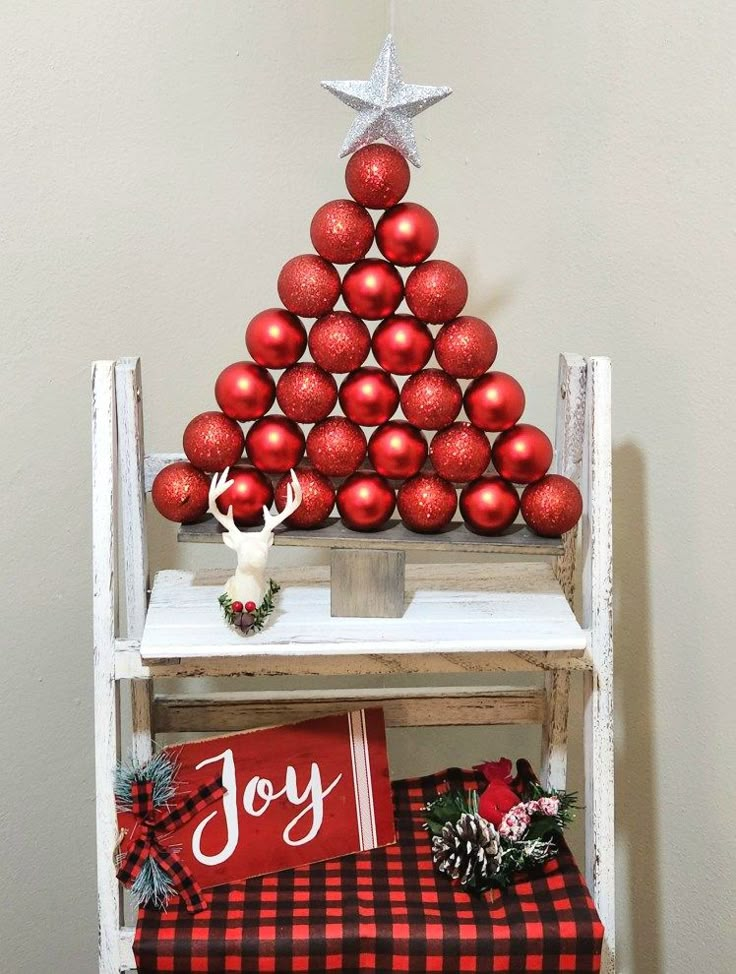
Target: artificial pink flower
pixel 549 806
pixel 515 823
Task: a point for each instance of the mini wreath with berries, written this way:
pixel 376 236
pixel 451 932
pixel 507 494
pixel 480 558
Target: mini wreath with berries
pixel 249 617
pixel 481 839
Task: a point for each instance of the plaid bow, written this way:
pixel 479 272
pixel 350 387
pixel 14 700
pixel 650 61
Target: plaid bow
pixel 152 825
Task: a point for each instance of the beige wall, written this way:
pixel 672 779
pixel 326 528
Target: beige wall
pixel 160 161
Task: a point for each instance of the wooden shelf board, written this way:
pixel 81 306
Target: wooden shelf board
pixel 517 539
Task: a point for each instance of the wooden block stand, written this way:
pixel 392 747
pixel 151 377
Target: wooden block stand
pixel 373 615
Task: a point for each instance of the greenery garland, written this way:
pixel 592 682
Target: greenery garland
pixel 250 622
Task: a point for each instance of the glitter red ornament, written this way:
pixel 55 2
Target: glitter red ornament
pixel 248 494
pixel 339 342
pixel 377 176
pixel 436 291
pixel 180 492
pixel 274 444
pixel 372 289
pixel 369 396
pixel 522 454
pixel 213 441
pixel 275 338
pixel 397 450
pixel 402 344
pixel 426 503
pixel 336 447
pixel 365 501
pixel 318 498
pixel 342 231
pixel 407 234
pixel 306 393
pixel 244 391
pixel 466 347
pixel 494 402
pixel 460 452
pixel 489 505
pixel 308 285
pixel 431 399
pixel 552 505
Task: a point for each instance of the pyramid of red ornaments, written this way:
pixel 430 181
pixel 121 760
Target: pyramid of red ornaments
pixel 410 434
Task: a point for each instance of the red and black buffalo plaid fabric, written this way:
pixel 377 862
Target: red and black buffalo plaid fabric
pixel 387 910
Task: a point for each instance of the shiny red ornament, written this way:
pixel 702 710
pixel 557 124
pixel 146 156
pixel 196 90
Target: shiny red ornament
pixel 244 391
pixel 180 492
pixel 377 176
pixel 551 506
pixel 407 234
pixel 336 447
pixel 275 338
pixel 213 441
pixel 308 285
pixel 365 501
pixel 460 452
pixel 466 347
pixel 426 503
pixel 249 493
pixel 431 399
pixel 372 289
pixel 306 393
pixel 250 606
pixel 522 454
pixel 489 505
pixel 436 291
pixel 318 498
pixel 494 402
pixel 339 342
pixel 237 606
pixel 397 450
pixel 369 396
pixel 274 444
pixel 402 344
pixel 342 231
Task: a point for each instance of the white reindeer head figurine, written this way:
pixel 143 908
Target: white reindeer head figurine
pixel 249 583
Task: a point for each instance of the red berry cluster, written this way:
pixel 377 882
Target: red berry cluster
pixel 369 395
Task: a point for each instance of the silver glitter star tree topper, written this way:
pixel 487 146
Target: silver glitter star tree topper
pixel 385 105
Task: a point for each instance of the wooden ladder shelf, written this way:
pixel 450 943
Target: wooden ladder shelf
pixel 469 618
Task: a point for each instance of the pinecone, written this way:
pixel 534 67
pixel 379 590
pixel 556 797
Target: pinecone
pixel 468 850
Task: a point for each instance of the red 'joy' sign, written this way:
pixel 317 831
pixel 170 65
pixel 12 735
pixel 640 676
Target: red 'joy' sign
pixel 295 794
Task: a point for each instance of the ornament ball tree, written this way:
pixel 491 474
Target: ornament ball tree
pixel 411 433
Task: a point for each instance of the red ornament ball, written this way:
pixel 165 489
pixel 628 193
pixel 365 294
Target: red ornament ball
pixel 274 444
pixel 402 344
pixel 365 501
pixel 237 606
pixel 369 396
pixel 372 289
pixel 339 342
pixel 318 498
pixel 436 291
pixel 275 338
pixel 342 231
pixel 377 176
pixel 306 393
pixel 426 503
pixel 336 447
pixel 213 441
pixel 489 505
pixel 308 285
pixel 431 399
pixel 244 391
pixel 466 347
pixel 250 606
pixel 407 234
pixel 248 494
pixel 180 492
pixel 494 401
pixel 397 450
pixel 460 452
pixel 552 505
pixel 522 454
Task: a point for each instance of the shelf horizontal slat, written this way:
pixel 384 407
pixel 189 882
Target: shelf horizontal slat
pixel 517 539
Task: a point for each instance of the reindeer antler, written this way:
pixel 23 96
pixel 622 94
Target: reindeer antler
pixel 218 485
pixel 293 500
